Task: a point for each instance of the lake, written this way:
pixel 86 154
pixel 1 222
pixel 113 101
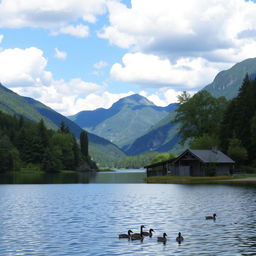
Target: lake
pixel 86 218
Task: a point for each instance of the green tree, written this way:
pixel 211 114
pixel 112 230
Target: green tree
pixel 64 128
pixel 205 141
pixel 200 115
pixel 9 157
pixel 63 144
pixel 236 151
pixel 43 134
pixel 84 144
pixel 183 97
pixel 253 130
pixel 49 162
pixel 162 157
pixel 76 152
pixel 238 121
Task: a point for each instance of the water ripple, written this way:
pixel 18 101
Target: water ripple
pixel 85 219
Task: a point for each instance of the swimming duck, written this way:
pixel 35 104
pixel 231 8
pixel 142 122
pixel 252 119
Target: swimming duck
pixel 179 238
pixel 145 233
pixel 213 217
pixel 162 238
pixel 126 235
pixel 138 236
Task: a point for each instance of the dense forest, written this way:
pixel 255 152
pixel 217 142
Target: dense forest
pixel 141 160
pixel 29 145
pixel 208 122
pixel 135 162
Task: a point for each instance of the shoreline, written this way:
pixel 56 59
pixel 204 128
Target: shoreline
pixel 201 180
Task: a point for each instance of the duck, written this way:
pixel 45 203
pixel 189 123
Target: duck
pixel 145 233
pixel 162 238
pixel 213 217
pixel 179 238
pixel 126 235
pixel 138 236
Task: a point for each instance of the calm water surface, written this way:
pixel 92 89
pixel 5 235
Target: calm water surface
pixel 85 219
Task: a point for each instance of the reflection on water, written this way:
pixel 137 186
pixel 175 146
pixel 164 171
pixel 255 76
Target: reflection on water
pixel 117 176
pixel 85 219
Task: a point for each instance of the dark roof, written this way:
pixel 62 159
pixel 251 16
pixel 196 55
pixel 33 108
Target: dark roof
pixel 209 156
pixel 160 163
pixel 204 155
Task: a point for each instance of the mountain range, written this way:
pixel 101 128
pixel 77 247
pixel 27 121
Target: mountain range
pixel 138 126
pixel 131 126
pixel 125 121
pixel 101 150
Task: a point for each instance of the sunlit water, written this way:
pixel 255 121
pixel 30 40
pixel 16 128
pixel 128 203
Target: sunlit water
pixel 85 219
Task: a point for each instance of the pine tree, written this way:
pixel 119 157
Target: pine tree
pixel 84 144
pixel 64 128
pixel 76 153
pixel 43 134
pixel 238 118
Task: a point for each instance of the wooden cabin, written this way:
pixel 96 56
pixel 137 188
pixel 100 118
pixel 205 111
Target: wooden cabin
pixel 194 162
pixel 160 168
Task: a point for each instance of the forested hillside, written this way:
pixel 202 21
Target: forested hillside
pixel 103 151
pixel 30 145
pixel 207 122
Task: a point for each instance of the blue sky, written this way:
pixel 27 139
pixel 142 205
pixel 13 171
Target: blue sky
pixel 76 55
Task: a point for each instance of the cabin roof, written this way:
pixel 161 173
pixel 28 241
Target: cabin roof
pixel 160 163
pixel 203 155
pixel 208 156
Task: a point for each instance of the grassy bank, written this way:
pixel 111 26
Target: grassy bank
pixel 201 180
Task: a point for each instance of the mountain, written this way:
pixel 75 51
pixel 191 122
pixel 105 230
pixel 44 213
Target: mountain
pixel 14 104
pixel 228 82
pixel 102 151
pixel 162 137
pixel 126 120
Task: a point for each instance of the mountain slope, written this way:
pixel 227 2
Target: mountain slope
pixel 14 104
pixel 228 82
pixel 160 138
pixel 126 120
pixel 102 151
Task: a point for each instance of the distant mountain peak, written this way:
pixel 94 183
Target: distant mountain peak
pixel 134 99
pixel 227 82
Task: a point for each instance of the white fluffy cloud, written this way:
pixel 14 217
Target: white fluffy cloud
pixel 77 31
pixel 164 96
pixel 60 54
pixel 98 100
pixel 152 71
pixel 180 43
pixel 48 13
pixel 23 67
pixel 1 38
pixel 184 27
pixel 63 97
pixel 24 71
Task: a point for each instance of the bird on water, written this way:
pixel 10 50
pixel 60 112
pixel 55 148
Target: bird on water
pixel 162 238
pixel 138 236
pixel 213 217
pixel 179 238
pixel 149 233
pixel 126 235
